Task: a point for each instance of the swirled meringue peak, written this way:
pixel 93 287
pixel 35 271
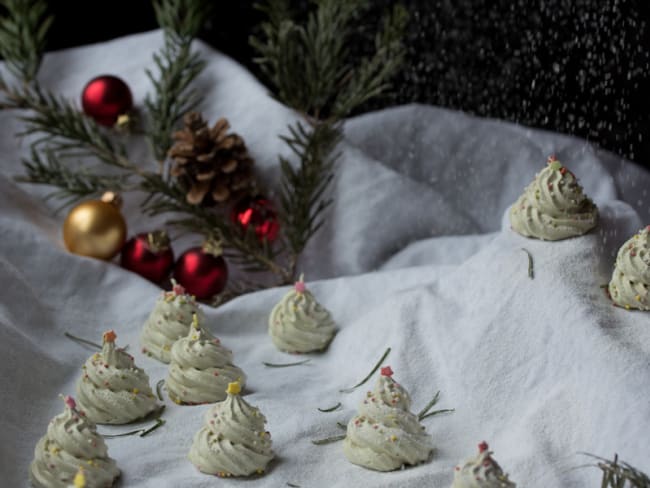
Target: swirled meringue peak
pixel 385 435
pixel 233 441
pixel 630 283
pixel 170 320
pixel 481 472
pixel 112 389
pixel 553 206
pixel 200 369
pixel 72 442
pixel 298 323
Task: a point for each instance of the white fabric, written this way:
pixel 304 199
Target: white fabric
pixel 415 256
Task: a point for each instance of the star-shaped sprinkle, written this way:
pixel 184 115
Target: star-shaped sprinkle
pixel 300 285
pixel 109 336
pixel 233 388
pixel 551 159
pixel 69 401
pixel 386 371
pixel 178 289
pixel 483 446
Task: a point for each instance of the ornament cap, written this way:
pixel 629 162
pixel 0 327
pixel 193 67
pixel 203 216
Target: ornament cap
pixel 387 371
pixel 113 198
pixel 213 246
pixel 157 241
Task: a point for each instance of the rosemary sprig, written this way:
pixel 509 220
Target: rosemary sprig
pixel 330 409
pixel 124 434
pixel 531 271
pixel 285 365
pixel 159 423
pixel 23 31
pixel 616 474
pixel 328 440
pixel 341 425
pixel 425 412
pixel 363 381
pixel 82 341
pixel 159 387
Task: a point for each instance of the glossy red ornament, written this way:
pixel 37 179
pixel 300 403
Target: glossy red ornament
pixel 257 213
pixel 105 98
pixel 149 255
pixel 202 271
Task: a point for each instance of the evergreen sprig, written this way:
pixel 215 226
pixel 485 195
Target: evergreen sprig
pixel 618 474
pixel 303 199
pixel 73 184
pixel 177 67
pixel 23 31
pixel 62 126
pixel 310 65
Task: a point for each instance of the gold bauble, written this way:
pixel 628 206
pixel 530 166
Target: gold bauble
pixel 95 228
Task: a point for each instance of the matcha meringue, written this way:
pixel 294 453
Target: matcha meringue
pixel 630 283
pixel 299 323
pixel 170 320
pixel 553 206
pixel 233 441
pixel 481 472
pixel 385 435
pixel 200 369
pixel 113 390
pixel 71 442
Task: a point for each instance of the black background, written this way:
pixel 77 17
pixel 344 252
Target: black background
pixel 574 66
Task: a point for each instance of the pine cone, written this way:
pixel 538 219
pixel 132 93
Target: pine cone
pixel 213 166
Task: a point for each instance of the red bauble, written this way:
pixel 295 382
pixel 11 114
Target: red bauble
pixel 149 255
pixel 105 98
pixel 202 271
pixel 258 214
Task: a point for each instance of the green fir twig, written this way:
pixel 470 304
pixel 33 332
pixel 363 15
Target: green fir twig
pixel 426 411
pixel 82 341
pixel 284 365
pixel 176 68
pixel 159 423
pixel 23 32
pixel 618 474
pixel 531 270
pixel 363 381
pixel 159 387
pixel 328 440
pixel 330 409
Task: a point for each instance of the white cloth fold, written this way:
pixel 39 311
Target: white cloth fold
pixel 542 369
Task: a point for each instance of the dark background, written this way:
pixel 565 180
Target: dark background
pixel 574 66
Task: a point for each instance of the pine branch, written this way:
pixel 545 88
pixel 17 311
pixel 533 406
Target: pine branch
pixel 243 249
pixel 303 198
pixel 177 67
pixel 22 36
pixel 46 169
pixel 62 125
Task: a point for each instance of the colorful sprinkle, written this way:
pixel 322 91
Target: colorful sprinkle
pixel 386 371
pixel 109 336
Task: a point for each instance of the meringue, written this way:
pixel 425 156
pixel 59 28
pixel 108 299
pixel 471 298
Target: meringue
pixel 113 390
pixel 72 441
pixel 481 472
pixel 553 206
pixel 385 435
pixel 170 320
pixel 298 323
pixel 233 441
pixel 200 369
pixel 630 283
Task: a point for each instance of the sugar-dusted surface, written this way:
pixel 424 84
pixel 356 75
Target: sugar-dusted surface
pixel 417 256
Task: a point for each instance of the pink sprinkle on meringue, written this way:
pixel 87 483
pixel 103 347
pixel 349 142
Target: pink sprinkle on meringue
pixel 483 446
pixel 386 371
pixel 178 289
pixel 300 287
pixel 69 401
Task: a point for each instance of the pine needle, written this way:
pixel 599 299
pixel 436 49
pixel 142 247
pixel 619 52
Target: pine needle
pixel 330 409
pixel 328 440
pixel 363 381
pixel 531 272
pixel 285 365
pixel 429 405
pixel 159 387
pixel 617 473
pixel 82 341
